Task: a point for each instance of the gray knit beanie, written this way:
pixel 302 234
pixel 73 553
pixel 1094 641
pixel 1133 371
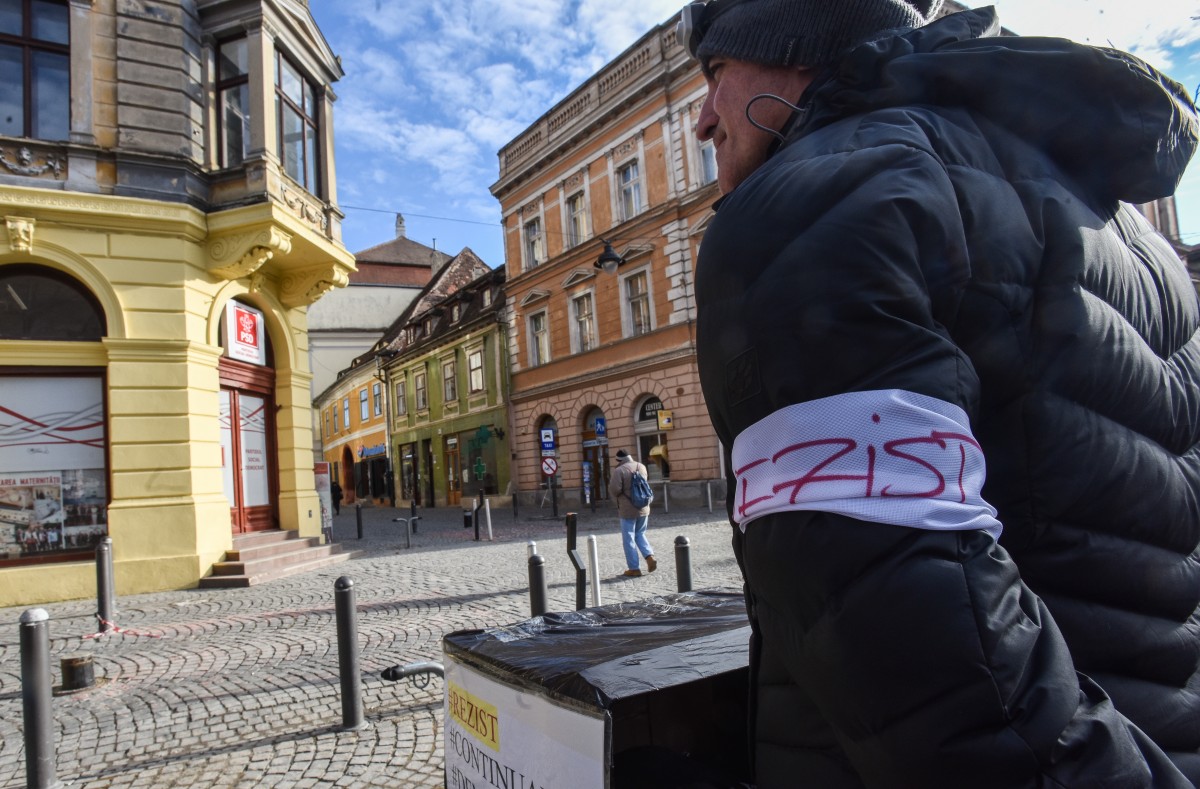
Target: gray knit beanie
pixel 801 32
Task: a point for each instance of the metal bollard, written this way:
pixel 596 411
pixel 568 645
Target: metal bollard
pixel 537 585
pixel 348 668
pixel 532 547
pixel 35 699
pixel 412 515
pixel 708 494
pixel 577 561
pixel 487 513
pixel 466 519
pixel 683 564
pixel 105 594
pixel 475 514
pixel 594 569
pixel 358 518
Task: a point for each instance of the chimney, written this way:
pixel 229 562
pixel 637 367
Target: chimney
pixel 399 225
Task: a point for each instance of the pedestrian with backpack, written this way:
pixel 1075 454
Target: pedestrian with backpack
pixel 628 487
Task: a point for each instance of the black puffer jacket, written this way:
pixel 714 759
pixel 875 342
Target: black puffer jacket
pixel 945 219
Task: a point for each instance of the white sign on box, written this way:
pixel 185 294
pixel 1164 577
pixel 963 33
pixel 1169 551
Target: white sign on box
pixel 497 735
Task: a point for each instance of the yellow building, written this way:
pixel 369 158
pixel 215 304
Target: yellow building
pixel 169 210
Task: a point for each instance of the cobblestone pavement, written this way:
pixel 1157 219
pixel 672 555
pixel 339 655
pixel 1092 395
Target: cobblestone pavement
pixel 241 687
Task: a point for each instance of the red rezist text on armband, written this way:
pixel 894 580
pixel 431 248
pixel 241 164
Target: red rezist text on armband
pixel 896 474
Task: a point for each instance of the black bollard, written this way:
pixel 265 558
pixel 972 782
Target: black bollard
pixel 466 519
pixel 683 564
pixel 358 517
pixel 577 560
pixel 537 585
pixel 348 668
pixel 105 594
pixel 35 699
pixel 412 517
pixel 475 514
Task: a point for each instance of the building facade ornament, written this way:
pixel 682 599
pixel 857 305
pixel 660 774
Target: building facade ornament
pixel 302 288
pixel 304 209
pixel 20 233
pixel 24 163
pixel 236 256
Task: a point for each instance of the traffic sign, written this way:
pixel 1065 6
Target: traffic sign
pixel 549 466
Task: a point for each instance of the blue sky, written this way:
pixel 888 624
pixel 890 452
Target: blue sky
pixel 433 90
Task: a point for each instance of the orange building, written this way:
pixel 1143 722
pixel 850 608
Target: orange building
pixel 603 360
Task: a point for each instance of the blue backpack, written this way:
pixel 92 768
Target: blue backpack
pixel 639 490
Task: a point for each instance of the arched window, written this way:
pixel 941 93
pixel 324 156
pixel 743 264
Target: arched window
pixel 40 303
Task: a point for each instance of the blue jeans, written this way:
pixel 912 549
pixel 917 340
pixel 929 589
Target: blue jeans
pixel 633 537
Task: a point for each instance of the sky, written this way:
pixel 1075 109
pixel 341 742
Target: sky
pixel 433 91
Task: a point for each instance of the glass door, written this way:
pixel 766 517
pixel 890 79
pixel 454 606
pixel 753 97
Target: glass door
pixel 246 460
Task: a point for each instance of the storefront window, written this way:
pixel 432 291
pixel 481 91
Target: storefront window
pixel 53 477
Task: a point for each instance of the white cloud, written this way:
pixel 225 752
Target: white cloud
pixel 1147 30
pixel 433 91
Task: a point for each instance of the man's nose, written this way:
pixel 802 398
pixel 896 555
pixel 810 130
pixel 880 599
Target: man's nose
pixel 706 125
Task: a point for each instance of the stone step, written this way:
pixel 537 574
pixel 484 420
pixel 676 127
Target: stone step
pixel 263 550
pixel 254 539
pixel 250 579
pixel 262 556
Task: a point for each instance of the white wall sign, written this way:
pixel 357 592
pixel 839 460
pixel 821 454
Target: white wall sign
pixel 244 333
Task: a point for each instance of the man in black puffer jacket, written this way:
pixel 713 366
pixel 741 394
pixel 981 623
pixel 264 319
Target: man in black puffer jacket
pixel 958 382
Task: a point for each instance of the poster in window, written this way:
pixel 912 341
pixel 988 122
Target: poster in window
pixel 53 478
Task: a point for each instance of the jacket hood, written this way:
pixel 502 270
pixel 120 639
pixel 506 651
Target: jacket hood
pixel 1105 117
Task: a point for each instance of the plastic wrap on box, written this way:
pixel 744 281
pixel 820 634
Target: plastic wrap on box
pixel 601 655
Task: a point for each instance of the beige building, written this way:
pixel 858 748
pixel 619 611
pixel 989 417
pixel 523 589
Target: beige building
pixel 167 191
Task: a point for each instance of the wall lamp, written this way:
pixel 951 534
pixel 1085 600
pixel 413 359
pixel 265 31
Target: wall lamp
pixel 609 260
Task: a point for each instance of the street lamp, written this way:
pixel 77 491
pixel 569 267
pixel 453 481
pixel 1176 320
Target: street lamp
pixel 609 260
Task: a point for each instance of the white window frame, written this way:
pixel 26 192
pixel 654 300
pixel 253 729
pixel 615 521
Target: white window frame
pixel 533 247
pixel 377 398
pixel 346 410
pixel 450 380
pixel 539 341
pixel 707 170
pixel 337 419
pixel 476 380
pixel 364 406
pixel 576 221
pixel 583 339
pixel 401 394
pixel 628 326
pixel 629 191
pixel 421 390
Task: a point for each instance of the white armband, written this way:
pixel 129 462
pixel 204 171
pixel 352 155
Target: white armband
pixel 887 456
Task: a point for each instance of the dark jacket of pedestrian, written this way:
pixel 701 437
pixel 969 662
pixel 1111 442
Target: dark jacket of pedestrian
pixel 949 220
